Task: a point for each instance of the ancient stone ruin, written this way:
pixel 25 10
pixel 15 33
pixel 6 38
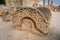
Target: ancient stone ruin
pixel 26 15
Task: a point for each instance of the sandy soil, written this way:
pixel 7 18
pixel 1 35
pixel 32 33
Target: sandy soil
pixel 8 33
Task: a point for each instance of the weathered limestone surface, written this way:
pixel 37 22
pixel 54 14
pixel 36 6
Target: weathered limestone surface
pixel 8 15
pixel 2 10
pixel 31 20
pixel 8 33
pixel 22 3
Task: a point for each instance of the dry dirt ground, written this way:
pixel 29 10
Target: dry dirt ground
pixel 8 33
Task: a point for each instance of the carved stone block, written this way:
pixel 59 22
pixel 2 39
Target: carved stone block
pixel 32 20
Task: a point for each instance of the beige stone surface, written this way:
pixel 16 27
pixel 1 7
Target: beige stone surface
pixel 7 32
pixel 22 3
pixel 32 20
pixel 8 15
pixel 2 10
pixel 28 23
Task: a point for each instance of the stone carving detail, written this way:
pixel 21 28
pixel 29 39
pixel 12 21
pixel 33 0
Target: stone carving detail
pixel 8 15
pixel 24 17
pixel 2 10
pixel 31 20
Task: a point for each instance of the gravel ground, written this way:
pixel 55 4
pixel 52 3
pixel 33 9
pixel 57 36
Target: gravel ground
pixel 8 33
